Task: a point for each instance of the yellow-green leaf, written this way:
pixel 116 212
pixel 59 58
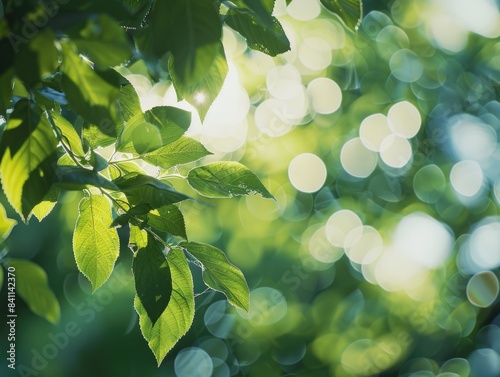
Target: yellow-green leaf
pixel 95 244
pixel 32 286
pixel 42 209
pixel 225 180
pixel 219 274
pixel 67 134
pixel 6 224
pixel 177 317
pixel 28 153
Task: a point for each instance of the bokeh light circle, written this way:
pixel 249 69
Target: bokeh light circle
pixel 267 306
pixel 404 119
pixel 429 183
pixel 343 228
pixel 466 177
pixel 193 362
pixel 357 160
pixel 373 130
pixel 325 94
pixel 482 289
pixel 395 151
pixel 307 172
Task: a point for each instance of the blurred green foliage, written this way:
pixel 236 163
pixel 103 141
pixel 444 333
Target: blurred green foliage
pixel 387 265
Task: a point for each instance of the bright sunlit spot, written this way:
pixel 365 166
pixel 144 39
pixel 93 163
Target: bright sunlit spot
pixel 200 98
pixel 307 172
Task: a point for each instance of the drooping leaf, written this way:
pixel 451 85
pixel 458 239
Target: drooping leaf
pixel 67 134
pixel 178 316
pixel 197 21
pixel 168 219
pixel 153 282
pixel 202 92
pixel 138 238
pixel 262 31
pixel 32 286
pixel 103 41
pixel 225 180
pixel 42 209
pixel 349 11
pixel 77 178
pixel 6 224
pixel 219 274
pixel 144 189
pixel 95 244
pixel 153 129
pixel 181 151
pixel 90 94
pixel 28 152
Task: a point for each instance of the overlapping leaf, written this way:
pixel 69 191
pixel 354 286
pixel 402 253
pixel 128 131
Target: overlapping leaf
pixel 181 151
pixel 225 180
pixel 153 129
pixel 177 317
pixel 262 31
pixel 153 282
pixel 28 157
pixel 219 274
pixel 168 219
pixel 95 244
pixel 202 92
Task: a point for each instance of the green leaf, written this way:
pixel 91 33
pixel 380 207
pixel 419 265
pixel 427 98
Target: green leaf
pixel 67 134
pixel 38 58
pixel 32 286
pixel 202 92
pixel 168 219
pixel 225 180
pixel 6 224
pixel 181 151
pixel 197 21
pixel 153 129
pixel 76 178
pixel 42 209
pixel 90 94
pixel 28 153
pixel 95 244
pixel 219 274
pixel 138 238
pixel 128 103
pixel 349 11
pixel 153 282
pixel 103 41
pixel 143 189
pixel 1 277
pixel 178 316
pixel 262 31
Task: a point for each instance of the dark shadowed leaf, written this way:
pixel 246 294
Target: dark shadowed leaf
pixel 202 92
pixel 178 316
pixel 153 282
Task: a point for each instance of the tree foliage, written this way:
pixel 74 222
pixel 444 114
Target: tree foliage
pixel 68 113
